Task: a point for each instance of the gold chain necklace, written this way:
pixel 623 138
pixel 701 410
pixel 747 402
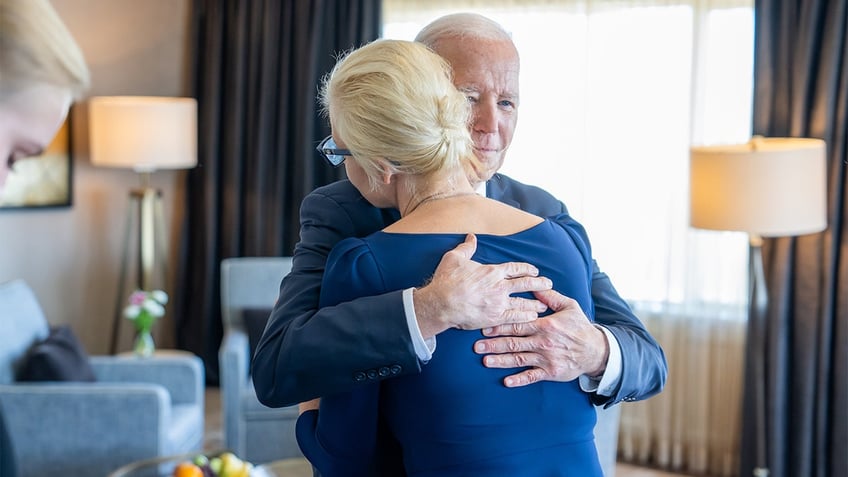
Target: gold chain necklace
pixel 434 197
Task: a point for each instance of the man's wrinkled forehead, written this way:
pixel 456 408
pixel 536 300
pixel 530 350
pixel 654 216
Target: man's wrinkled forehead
pixel 481 74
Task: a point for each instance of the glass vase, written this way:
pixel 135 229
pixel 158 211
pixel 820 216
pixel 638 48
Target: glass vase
pixel 144 346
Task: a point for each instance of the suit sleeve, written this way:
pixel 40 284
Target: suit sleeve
pixel 292 363
pixel 644 367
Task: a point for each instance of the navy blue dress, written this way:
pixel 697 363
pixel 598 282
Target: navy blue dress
pixel 456 418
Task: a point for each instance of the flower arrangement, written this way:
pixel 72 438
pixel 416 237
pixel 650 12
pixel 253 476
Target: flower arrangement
pixel 144 308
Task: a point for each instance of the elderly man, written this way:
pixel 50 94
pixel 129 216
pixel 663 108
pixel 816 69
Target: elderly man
pixel 306 352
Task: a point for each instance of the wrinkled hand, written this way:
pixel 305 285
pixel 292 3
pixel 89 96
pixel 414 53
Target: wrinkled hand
pixel 557 347
pixel 467 295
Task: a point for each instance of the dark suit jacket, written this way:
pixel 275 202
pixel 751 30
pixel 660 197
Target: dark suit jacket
pixel 305 352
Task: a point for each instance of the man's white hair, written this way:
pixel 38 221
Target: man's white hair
pixel 462 25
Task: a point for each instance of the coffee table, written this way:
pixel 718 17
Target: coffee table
pixel 164 467
pixel 295 467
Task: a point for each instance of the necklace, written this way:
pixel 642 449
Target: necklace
pixel 435 197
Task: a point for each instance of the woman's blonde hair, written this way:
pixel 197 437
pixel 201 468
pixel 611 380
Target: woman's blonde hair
pixel 37 48
pixel 397 109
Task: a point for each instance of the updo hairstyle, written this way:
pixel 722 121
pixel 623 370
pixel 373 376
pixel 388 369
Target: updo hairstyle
pixel 394 106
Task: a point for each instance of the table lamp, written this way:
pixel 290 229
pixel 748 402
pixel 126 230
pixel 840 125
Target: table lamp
pixel 145 134
pixel 768 187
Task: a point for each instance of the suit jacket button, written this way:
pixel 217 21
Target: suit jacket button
pixel 395 369
pixel 372 374
pixel 359 376
pixel 384 371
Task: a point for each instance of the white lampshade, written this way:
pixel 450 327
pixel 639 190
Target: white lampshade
pixel 144 133
pixel 769 187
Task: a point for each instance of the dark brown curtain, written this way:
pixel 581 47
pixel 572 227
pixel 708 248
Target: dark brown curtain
pixel 257 65
pixel 801 90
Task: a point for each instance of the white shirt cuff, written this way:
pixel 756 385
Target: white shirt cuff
pixel 606 383
pixel 423 348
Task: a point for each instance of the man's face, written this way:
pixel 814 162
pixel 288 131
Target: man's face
pixel 487 72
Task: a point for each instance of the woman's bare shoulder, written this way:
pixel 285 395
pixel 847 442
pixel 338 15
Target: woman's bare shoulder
pixel 477 215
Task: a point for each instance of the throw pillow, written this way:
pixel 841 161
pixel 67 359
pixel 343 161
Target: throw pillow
pixel 254 323
pixel 59 357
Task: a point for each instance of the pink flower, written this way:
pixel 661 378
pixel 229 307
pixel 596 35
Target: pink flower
pixel 138 297
pixel 144 307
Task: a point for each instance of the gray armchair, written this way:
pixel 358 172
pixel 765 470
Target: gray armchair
pixel 252 430
pixel 136 409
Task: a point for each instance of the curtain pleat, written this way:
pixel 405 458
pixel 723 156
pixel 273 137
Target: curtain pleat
pixel 693 425
pixel 801 90
pixel 256 69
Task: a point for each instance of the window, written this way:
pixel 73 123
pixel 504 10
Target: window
pixel 620 90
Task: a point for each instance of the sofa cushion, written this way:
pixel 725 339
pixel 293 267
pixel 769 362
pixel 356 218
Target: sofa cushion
pixel 59 357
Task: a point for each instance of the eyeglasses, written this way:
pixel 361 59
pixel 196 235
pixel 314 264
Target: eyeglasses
pixel 334 155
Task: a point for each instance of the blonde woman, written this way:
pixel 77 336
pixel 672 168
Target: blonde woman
pixel 400 128
pixel 42 70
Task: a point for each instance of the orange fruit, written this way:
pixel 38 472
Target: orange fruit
pixel 187 469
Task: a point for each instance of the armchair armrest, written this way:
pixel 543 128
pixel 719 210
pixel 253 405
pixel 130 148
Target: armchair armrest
pixel 181 374
pixel 234 362
pixel 84 428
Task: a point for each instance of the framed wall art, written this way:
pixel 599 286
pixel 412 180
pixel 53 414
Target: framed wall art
pixel 42 181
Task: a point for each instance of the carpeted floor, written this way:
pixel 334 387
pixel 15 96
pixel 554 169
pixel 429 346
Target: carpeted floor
pixel 213 438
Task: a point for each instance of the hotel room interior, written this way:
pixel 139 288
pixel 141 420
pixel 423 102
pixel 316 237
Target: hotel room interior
pixel 624 103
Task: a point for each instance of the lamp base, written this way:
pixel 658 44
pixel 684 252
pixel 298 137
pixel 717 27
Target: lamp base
pixel 758 305
pixel 150 271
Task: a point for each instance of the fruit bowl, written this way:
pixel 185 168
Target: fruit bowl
pixel 169 466
pixel 224 464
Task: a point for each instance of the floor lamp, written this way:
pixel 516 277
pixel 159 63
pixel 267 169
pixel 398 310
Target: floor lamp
pixel 145 134
pixel 768 187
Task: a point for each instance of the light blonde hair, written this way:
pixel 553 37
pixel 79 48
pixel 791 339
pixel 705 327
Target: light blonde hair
pixel 37 48
pixel 396 108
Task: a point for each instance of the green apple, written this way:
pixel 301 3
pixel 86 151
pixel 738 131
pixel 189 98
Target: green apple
pixel 216 465
pixel 200 460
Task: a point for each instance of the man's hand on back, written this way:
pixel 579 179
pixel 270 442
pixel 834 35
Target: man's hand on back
pixel 558 347
pixel 467 295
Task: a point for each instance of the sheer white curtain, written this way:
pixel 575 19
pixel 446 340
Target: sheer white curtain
pixel 613 93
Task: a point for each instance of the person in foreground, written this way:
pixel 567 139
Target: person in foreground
pixel 41 71
pixel 306 352
pixel 400 126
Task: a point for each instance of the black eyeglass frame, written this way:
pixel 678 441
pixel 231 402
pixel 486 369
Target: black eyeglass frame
pixel 334 155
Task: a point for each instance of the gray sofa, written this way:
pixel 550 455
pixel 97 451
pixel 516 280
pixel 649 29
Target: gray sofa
pixel 137 408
